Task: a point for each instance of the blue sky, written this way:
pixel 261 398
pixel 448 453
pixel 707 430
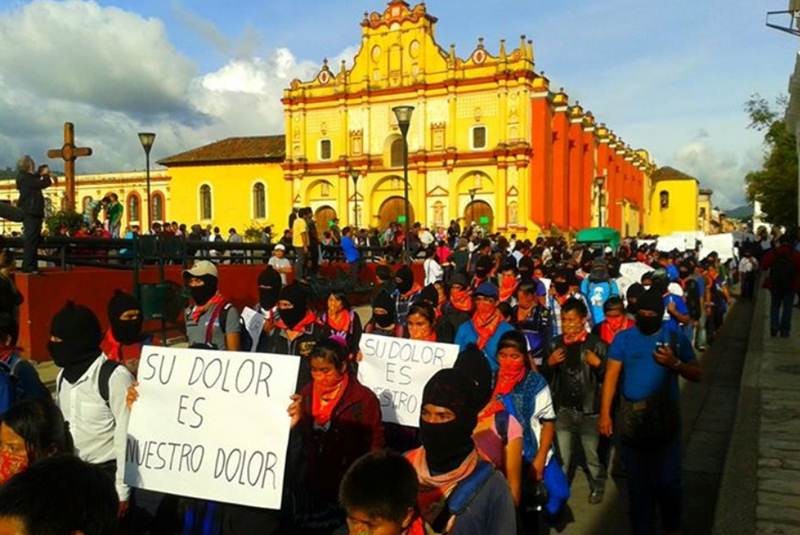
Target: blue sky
pixel 670 77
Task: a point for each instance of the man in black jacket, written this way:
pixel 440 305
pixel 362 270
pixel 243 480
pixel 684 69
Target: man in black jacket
pixel 30 183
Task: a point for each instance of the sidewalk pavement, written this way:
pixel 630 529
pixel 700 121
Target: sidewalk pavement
pixel 761 484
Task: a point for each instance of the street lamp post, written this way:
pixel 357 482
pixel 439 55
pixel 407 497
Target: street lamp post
pixel 147 139
pixel 598 182
pixel 354 174
pixel 472 193
pixel 403 115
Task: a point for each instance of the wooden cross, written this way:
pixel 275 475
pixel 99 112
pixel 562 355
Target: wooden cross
pixel 69 153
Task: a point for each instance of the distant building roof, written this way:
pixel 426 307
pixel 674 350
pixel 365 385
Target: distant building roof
pixel 704 191
pixel 233 149
pixel 670 173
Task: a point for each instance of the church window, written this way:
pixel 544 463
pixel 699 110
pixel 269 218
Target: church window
pixel 397 153
pixel 158 206
pixel 664 198
pixel 259 201
pixel 133 207
pixel 325 149
pixel 478 137
pixel 205 202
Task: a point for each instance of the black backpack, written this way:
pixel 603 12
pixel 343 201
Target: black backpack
pixel 781 274
pixel 692 293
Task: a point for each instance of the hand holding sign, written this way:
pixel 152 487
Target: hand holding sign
pixel 397 369
pixel 211 424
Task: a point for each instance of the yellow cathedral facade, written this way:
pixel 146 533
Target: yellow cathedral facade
pixel 488 141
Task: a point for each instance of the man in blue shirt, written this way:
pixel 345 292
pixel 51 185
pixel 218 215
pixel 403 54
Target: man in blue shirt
pixel 597 288
pixel 351 254
pixel 652 356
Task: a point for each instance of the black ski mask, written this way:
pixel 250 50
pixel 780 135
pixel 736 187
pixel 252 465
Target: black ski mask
pixel 295 294
pixel 473 364
pixel 448 444
pixel 269 288
pixel 202 294
pixel 384 300
pixel 125 331
pixel 404 279
pixel 79 331
pixel 652 301
pixel 483 266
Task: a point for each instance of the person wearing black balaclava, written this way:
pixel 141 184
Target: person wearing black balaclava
pixel 652 356
pixel 297 329
pixel 405 292
pixel 384 317
pixel 269 288
pixel 448 456
pixel 212 320
pixel 484 268
pixel 91 392
pixel 123 341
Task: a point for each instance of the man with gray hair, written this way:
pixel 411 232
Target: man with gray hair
pixel 30 183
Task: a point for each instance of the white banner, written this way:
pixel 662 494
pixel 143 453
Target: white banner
pixel 721 243
pixel 634 270
pixel 211 425
pixel 396 369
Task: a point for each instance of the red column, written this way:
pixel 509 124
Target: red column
pixel 577 195
pixel 614 190
pixel 603 169
pixel 541 161
pixel 589 172
pixel 560 197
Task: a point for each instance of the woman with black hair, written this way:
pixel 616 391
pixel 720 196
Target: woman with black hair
pixel 522 394
pixel 341 320
pixel 341 421
pixel 31 430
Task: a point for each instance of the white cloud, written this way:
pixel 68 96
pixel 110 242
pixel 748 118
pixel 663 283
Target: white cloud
pixel 720 170
pixel 121 75
pixel 102 56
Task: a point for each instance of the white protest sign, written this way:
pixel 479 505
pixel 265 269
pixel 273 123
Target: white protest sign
pixel 211 425
pixel 634 270
pixel 254 323
pixel 670 243
pixel 396 369
pixel 721 243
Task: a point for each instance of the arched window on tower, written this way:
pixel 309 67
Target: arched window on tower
pixel 259 201
pixel 205 202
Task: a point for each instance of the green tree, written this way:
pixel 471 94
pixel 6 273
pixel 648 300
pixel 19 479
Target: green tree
pixel 775 184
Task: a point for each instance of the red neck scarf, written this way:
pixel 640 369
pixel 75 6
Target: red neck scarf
pixel 511 373
pixel 415 289
pixel 7 351
pixel 325 395
pixel 575 338
pixel 611 326
pixel 485 323
pixel 339 322
pixel 118 352
pixel 198 311
pixel 461 300
pixel 308 319
pixel 508 285
pixel 431 337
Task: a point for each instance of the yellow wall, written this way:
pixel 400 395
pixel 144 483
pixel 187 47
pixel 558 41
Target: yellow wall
pixel 400 63
pixel 231 195
pixel 125 185
pixel 681 214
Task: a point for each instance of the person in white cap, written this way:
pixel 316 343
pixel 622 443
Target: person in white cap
pixel 280 263
pixel 212 320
